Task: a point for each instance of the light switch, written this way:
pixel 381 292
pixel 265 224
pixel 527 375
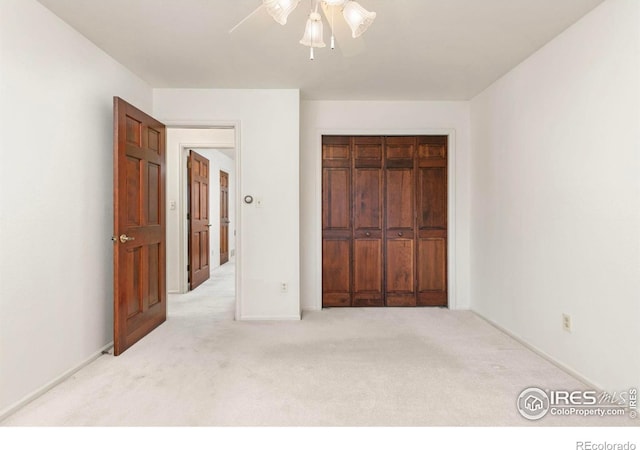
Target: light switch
pixel 259 202
pixel 172 205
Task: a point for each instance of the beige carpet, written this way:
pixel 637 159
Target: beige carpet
pixel 336 367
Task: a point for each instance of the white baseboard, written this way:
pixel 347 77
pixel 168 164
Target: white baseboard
pixel 270 317
pixel 47 387
pixel 310 308
pixel 542 353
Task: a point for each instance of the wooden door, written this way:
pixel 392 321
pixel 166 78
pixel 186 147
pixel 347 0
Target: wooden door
pixel 224 217
pixel 431 190
pixel 139 225
pixel 400 245
pixel 367 221
pixel 199 254
pixel 336 221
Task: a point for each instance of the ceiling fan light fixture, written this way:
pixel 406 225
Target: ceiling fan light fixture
pixel 358 18
pixel 280 9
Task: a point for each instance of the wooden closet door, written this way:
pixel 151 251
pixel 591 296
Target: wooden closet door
pixel 336 221
pixel 400 265
pixel 432 220
pixel 368 180
pixel 384 221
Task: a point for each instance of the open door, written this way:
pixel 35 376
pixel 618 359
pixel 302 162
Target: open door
pixel 224 217
pixel 139 225
pixel 199 266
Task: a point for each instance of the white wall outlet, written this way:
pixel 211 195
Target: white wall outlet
pixel 258 202
pixel 284 287
pixel 566 322
pixel 172 205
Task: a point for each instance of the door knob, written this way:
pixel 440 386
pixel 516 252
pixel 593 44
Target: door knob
pixel 400 233
pixel 124 238
pixel 367 234
pixel 209 225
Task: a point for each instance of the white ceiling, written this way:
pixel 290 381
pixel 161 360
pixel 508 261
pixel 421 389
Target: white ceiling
pixel 415 50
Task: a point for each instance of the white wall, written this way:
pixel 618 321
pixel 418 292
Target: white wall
pixel 201 141
pixel 56 213
pixel 556 197
pixel 379 118
pixel 268 151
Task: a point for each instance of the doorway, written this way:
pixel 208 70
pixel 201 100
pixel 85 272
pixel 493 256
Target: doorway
pixel 217 144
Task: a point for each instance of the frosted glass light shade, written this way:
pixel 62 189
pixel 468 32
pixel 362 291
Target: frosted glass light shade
pixel 280 9
pixel 313 32
pixel 335 2
pixel 358 18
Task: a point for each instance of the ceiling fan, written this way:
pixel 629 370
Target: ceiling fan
pixel 356 21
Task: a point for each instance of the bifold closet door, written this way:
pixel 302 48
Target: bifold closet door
pixel 368 204
pixel 431 193
pixel 336 221
pixel 384 221
pixel 400 267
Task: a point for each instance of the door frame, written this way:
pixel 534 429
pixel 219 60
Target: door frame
pixel 451 198
pixel 182 180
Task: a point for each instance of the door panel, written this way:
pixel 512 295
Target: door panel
pixel 153 204
pixel 432 277
pixel 139 225
pixel 400 202
pixel 432 196
pixel 368 266
pixel 400 266
pixel 368 199
pixel 199 220
pixel 154 266
pixel 367 269
pixel 336 195
pixel 367 151
pixel 336 273
pixel 224 217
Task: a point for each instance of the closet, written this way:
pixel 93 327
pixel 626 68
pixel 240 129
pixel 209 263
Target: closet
pixel 384 221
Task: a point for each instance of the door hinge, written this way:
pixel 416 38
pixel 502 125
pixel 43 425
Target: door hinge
pixel 189 164
pixel 188 268
pixel 188 216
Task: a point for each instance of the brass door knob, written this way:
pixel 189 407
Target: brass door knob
pixel 124 238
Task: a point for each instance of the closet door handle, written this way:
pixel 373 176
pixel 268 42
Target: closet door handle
pixel 400 233
pixel 367 234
